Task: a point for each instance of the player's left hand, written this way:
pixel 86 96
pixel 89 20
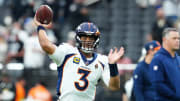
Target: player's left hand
pixel 115 55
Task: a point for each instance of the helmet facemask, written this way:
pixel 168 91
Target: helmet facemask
pixel 87 46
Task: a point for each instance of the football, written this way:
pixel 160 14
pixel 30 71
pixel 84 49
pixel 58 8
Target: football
pixel 44 14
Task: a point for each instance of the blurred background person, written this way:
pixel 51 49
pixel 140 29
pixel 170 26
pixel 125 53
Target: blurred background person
pixel 170 8
pixel 34 58
pixel 15 44
pixel 159 25
pixel 20 89
pixel 33 54
pixel 3 44
pixel 39 93
pixel 7 88
pixel 78 14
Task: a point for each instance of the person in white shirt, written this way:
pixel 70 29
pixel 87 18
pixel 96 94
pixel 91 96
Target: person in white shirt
pixel 80 68
pixel 33 55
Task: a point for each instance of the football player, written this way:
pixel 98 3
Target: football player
pixel 80 68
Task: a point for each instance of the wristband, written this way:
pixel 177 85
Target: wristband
pixel 113 70
pixel 40 28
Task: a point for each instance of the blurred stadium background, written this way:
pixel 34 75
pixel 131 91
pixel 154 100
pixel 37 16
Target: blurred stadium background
pixel 127 23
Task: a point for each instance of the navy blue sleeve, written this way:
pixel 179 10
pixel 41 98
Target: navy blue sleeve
pixel 138 83
pixel 158 79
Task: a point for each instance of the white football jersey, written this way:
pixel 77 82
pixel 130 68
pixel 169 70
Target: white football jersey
pixel 78 77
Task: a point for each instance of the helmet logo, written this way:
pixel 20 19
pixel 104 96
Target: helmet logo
pixel 97 33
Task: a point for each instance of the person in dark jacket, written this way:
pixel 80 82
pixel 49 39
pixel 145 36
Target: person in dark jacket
pixel 159 25
pixel 142 87
pixel 165 68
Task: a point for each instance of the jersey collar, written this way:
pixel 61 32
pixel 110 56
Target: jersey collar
pixel 87 62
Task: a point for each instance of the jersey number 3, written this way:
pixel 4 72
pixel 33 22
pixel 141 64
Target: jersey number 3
pixel 83 78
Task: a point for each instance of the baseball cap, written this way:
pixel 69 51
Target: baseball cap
pixel 155 45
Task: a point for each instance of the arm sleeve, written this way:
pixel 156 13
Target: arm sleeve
pixel 158 79
pixel 105 77
pixel 60 53
pixel 138 84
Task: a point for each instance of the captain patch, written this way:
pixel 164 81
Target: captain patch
pixel 76 60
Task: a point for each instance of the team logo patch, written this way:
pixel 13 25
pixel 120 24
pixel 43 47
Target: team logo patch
pixel 155 68
pixel 76 60
pixel 136 76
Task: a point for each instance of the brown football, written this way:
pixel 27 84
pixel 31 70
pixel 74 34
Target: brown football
pixel 44 14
